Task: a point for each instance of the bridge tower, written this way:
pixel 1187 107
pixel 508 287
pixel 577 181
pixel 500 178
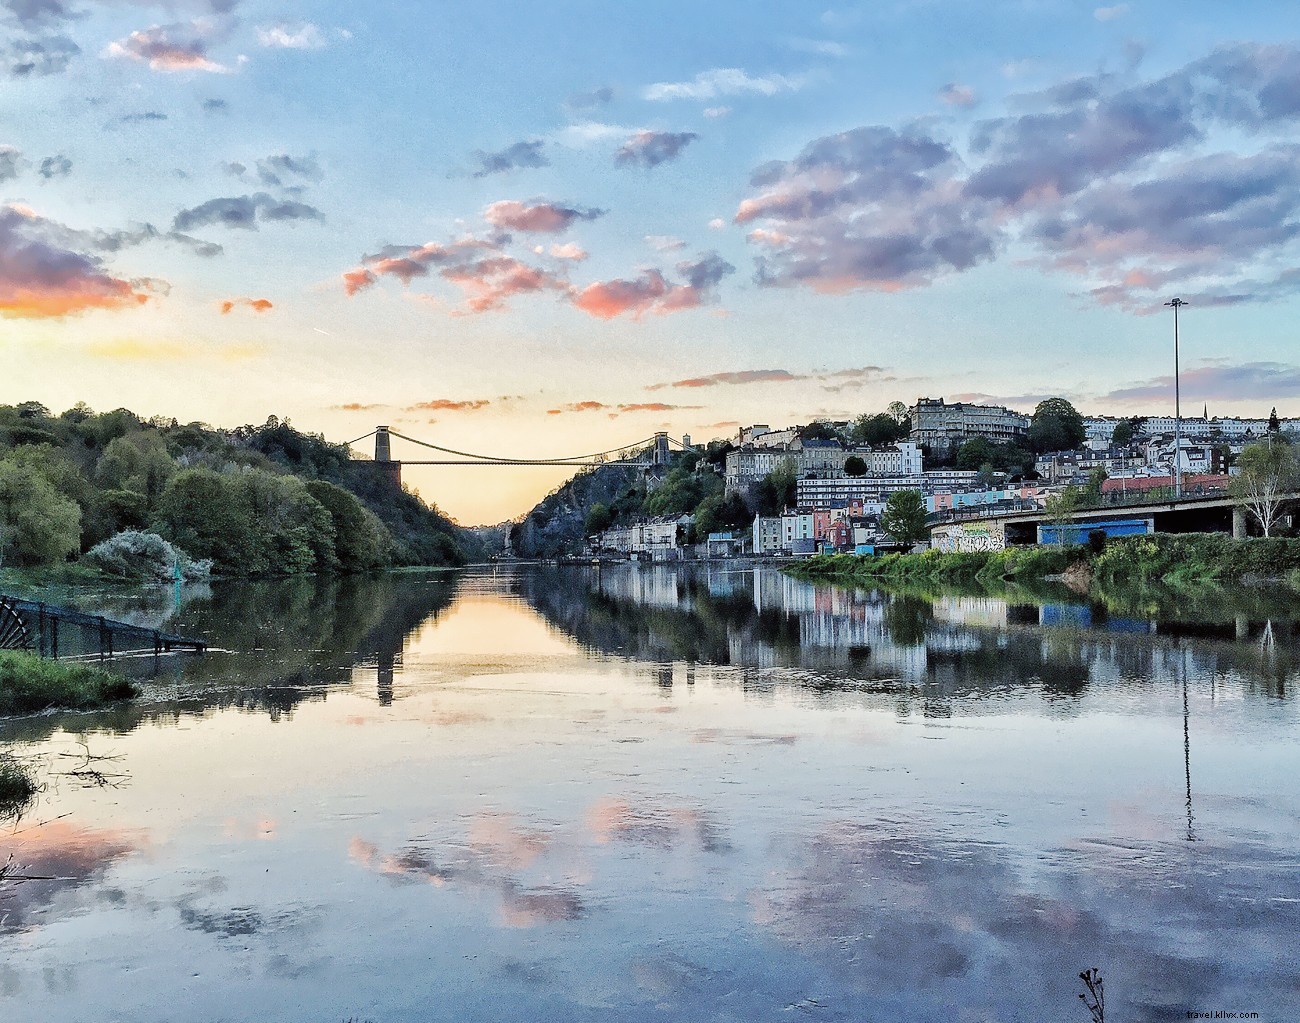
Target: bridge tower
pixel 661 455
pixel 384 456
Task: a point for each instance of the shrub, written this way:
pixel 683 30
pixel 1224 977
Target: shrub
pixel 29 684
pixel 135 555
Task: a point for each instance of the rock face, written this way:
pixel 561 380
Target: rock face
pixel 555 526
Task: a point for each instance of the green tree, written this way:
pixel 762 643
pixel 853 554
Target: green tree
pixel 1123 435
pixel 974 452
pixel 854 466
pixel 717 514
pixel 361 541
pixel 901 414
pixel 1092 489
pixel 1056 426
pixel 37 524
pixel 1060 508
pixel 904 518
pixel 203 512
pixel 877 429
pixel 1267 472
pixel 598 519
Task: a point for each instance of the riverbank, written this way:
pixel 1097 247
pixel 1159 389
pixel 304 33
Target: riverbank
pixel 29 684
pixel 1168 558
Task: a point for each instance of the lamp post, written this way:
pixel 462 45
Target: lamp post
pixel 1176 304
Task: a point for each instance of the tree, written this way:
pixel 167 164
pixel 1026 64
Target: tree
pixel 854 466
pixel 1060 508
pixel 361 541
pixel 819 429
pixel 904 518
pixel 974 452
pixel 1123 435
pixel 1274 424
pixel 598 519
pixel 900 413
pixel 777 490
pixel 1056 426
pixel 1092 489
pixel 878 429
pixel 37 523
pixel 1266 472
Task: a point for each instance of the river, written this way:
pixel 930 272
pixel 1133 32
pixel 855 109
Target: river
pixel 664 794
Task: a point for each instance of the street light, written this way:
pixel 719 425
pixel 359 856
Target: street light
pixel 1176 304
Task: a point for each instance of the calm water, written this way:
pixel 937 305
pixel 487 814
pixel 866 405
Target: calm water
pixel 575 794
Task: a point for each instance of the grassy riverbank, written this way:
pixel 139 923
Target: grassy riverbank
pixel 1174 559
pixel 29 684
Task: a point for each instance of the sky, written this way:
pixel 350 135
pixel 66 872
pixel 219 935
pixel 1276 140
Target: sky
pixel 550 229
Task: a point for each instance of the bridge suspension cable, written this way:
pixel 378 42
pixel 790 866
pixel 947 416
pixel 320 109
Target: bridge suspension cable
pixel 364 436
pixel 526 461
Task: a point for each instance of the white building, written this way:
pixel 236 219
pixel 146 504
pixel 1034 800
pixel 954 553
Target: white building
pixel 821 493
pixel 767 535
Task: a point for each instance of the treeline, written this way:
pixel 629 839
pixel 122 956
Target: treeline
pixel 256 500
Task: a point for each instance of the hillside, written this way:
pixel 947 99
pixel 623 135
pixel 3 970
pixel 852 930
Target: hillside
pixel 254 500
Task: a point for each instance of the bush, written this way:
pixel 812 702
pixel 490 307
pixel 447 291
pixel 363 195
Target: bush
pixel 16 787
pixel 29 684
pixel 135 555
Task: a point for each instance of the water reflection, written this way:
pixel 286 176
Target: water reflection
pixel 656 794
pixel 942 647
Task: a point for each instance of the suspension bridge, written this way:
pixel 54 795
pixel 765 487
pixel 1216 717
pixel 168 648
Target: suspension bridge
pixel 641 454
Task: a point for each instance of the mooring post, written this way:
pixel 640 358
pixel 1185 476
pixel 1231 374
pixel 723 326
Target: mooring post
pixel 103 631
pixel 40 629
pixel 54 638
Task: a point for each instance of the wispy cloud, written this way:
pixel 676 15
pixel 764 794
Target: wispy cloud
pixel 1260 381
pixel 42 274
pixel 450 405
pixel 835 379
pixel 651 148
pixel 651 292
pixel 178 47
pixel 539 216
pixel 286 36
pixel 514 157
pixel 721 82
pixel 957 95
pixel 257 305
pixel 244 212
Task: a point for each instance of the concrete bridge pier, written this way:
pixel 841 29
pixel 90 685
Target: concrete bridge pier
pixel 661 455
pixel 384 456
pixel 1239 531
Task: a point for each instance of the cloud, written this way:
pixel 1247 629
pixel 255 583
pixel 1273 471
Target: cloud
pixel 11 162
pixel 958 95
pixel 651 292
pixel 406 262
pixel 42 277
pixel 721 82
pixel 656 406
pixel 1110 13
pixel 275 170
pixel 257 305
pixel 540 217
pixel 1262 381
pixel 820 47
pixel 449 405
pixel 34 14
pixel 216 106
pixel 1103 176
pixel 743 376
pixel 357 406
pixel 487 283
pixel 179 47
pixel 664 243
pixel 513 157
pixel 300 36
pixel 147 115
pixel 37 57
pixel 55 167
pixel 588 100
pixel 569 251
pixel 716 112
pixel 651 148
pixel 578 406
pixel 244 211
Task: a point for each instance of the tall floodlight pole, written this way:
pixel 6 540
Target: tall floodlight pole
pixel 1176 304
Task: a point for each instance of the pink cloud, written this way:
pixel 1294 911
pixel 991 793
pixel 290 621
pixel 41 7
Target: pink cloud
pixel 540 217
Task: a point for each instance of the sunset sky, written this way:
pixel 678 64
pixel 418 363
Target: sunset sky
pixel 546 229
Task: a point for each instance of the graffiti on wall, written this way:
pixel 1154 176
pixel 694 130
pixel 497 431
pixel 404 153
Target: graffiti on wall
pixel 966 538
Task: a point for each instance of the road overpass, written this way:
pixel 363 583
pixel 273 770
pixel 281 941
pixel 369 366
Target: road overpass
pixel 972 530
